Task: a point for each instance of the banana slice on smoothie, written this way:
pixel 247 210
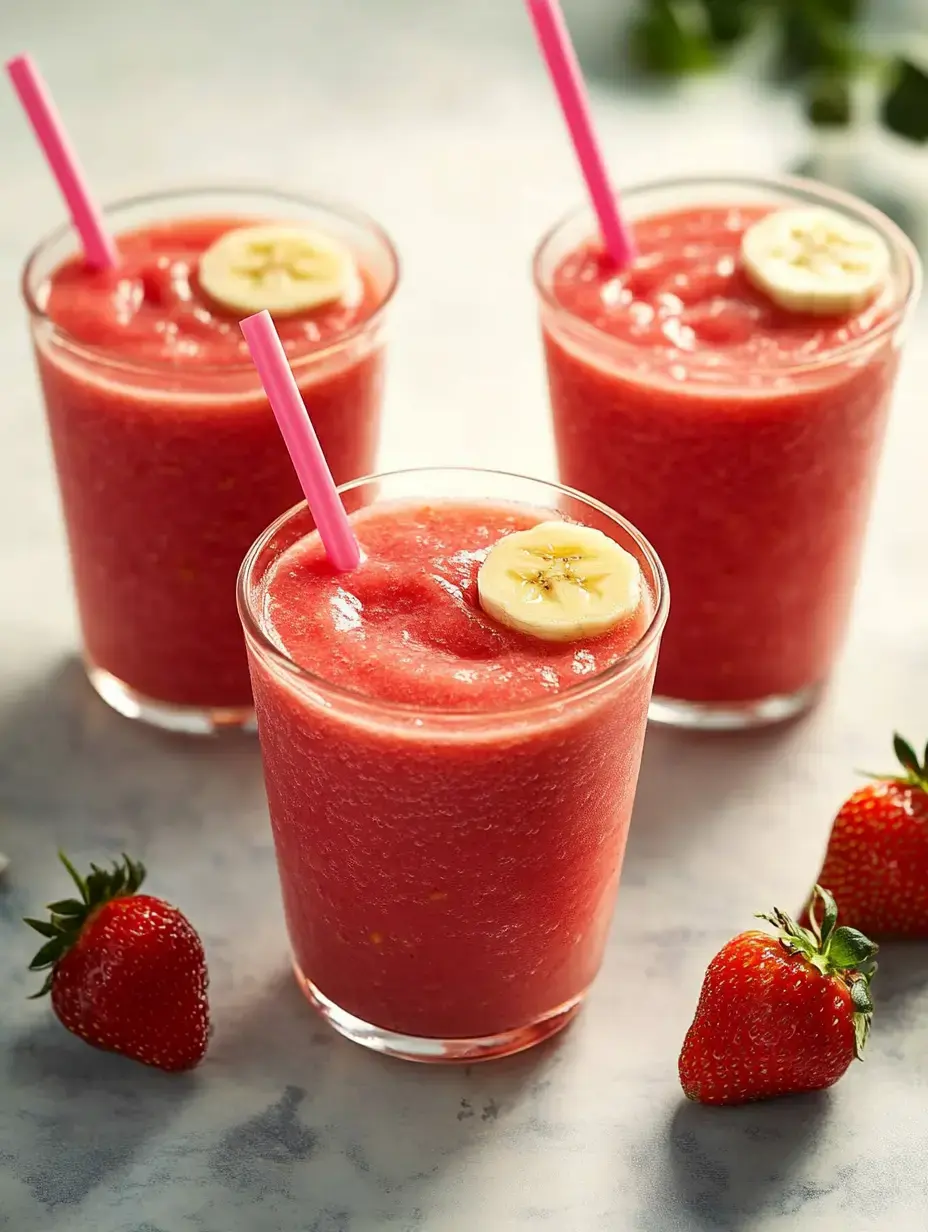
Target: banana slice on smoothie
pixel 559 582
pixel 815 261
pixel 283 269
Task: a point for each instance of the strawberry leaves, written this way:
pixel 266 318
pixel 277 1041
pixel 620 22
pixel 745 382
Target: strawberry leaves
pixel 829 915
pixel 67 906
pixel 69 915
pixel 843 952
pixel 916 771
pixel 905 753
pixel 849 949
pixel 863 1012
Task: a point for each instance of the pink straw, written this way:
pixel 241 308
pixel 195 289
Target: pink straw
pixel 558 51
pixel 302 443
pixel 99 247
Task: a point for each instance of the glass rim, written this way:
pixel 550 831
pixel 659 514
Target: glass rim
pixel 404 710
pixel 858 209
pixel 233 189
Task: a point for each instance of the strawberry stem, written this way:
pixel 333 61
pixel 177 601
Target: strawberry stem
pixel 75 876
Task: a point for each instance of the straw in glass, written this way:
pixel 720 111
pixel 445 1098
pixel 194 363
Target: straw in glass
pixel 99 246
pixel 567 78
pixel 309 462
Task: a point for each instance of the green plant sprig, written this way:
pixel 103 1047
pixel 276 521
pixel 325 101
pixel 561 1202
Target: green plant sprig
pixel 818 45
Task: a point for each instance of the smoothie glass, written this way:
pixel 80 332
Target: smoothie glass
pixel 753 480
pixel 449 877
pixel 168 472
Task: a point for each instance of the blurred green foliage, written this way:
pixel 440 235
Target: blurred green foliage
pixel 816 45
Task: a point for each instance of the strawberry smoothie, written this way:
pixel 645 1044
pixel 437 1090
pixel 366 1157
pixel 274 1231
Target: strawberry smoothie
pixel 168 456
pixel 450 798
pixel 741 437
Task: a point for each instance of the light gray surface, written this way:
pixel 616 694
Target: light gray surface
pixel 435 117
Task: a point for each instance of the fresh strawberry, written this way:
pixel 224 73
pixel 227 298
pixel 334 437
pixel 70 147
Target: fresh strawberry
pixel 126 971
pixel 780 1014
pixel 876 863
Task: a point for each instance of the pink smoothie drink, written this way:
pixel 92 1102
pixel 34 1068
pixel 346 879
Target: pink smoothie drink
pixel 741 437
pixel 169 460
pixel 450 798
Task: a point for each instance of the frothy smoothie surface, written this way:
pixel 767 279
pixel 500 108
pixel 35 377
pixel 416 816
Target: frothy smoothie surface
pixel 406 626
pixel 152 309
pixel 688 305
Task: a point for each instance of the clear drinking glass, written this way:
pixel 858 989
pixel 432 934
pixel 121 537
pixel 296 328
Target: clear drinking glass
pixel 449 877
pixel 754 484
pixel 167 473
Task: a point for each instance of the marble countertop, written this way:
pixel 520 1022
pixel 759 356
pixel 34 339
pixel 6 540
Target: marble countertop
pixel 436 117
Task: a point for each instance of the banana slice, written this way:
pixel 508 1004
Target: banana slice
pixel 559 582
pixel 283 269
pixel 815 261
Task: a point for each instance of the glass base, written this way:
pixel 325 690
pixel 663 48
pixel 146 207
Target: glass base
pixel 733 716
pixel 191 720
pixel 438 1051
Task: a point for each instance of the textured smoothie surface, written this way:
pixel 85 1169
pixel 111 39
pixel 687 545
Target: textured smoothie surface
pixel 407 626
pixel 151 309
pixel 688 306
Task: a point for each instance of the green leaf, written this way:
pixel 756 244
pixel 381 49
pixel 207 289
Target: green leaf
pixel 861 1034
pixel 101 886
pixel 44 990
pixel 730 21
pixel 906 754
pixel 829 101
pixel 846 11
pixel 860 997
pixel 813 40
pixel 46 955
pixel 671 39
pixel 67 906
pixel 905 107
pixel 792 936
pixel 866 968
pixel 849 948
pixel 75 875
pixel 136 874
pixel 69 914
pixel 829 913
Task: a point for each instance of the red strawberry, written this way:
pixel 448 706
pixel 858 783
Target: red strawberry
pixel 127 971
pixel 876 863
pixel 780 1014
